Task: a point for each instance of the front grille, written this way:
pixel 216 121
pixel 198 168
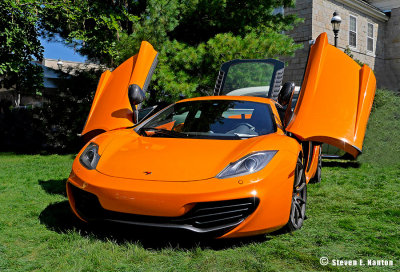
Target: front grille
pixel 204 217
pixel 207 215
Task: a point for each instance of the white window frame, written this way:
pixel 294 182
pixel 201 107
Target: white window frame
pixel 368 37
pixel 355 17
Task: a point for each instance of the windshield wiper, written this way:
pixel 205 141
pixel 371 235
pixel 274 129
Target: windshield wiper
pixel 244 135
pixel 164 131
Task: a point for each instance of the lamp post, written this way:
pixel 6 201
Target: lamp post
pixel 335 21
pixel 60 64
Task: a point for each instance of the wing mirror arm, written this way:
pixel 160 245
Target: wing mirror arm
pixel 136 96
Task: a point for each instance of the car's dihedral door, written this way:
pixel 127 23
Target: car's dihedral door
pixel 263 77
pixel 111 108
pixel 335 99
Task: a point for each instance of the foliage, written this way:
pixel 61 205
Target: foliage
pixel 54 126
pixel 19 45
pixel 347 51
pixel 62 118
pixel 95 23
pixel 193 37
pixel 20 132
pixel 382 140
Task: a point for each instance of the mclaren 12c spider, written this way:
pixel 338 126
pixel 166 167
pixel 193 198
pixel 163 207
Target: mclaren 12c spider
pixel 229 165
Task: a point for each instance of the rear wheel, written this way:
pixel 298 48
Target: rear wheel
pixel 317 176
pixel 299 199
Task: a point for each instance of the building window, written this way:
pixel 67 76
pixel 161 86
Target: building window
pixel 353 31
pixel 278 10
pixel 370 38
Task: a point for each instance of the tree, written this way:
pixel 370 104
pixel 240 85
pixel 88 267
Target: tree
pixel 64 116
pixel 19 45
pixel 194 37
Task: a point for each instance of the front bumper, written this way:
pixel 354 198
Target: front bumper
pixel 231 207
pixel 211 218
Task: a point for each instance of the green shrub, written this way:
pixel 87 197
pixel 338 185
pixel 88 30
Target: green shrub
pixel 53 128
pixel 382 139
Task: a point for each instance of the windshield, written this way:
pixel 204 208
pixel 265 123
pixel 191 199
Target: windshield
pixel 211 119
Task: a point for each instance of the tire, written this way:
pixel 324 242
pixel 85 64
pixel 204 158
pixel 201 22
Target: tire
pixel 317 176
pixel 299 199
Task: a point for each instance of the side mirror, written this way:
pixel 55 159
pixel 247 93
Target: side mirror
pixel 136 96
pixel 285 93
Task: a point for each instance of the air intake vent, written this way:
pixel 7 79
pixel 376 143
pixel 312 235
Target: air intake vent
pixel 215 214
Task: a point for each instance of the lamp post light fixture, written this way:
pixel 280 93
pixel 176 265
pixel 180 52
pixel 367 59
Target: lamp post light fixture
pixel 335 21
pixel 60 64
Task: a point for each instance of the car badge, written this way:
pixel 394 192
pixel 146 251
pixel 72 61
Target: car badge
pixel 147 172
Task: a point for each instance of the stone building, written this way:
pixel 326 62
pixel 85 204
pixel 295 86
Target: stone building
pixel 52 69
pixel 70 67
pixel 370 29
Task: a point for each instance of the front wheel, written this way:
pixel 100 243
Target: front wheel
pixel 299 199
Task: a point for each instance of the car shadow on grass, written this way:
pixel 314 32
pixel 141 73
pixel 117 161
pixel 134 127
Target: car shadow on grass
pixel 341 163
pixel 58 217
pixel 54 186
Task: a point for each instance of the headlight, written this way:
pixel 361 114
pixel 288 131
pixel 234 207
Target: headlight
pixel 90 157
pixel 249 164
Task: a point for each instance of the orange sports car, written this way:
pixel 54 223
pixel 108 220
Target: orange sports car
pixel 229 165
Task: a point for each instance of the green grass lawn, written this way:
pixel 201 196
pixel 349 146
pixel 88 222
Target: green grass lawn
pixel 354 213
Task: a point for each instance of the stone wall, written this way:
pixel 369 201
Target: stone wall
pixel 318 14
pixel 322 14
pixel 71 66
pixel 301 34
pixel 390 74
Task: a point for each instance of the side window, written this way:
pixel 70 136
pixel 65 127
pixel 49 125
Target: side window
pixel 146 112
pixel 163 119
pixel 353 31
pixel 370 38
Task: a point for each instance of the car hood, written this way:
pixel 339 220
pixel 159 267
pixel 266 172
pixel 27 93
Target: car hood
pixel 170 159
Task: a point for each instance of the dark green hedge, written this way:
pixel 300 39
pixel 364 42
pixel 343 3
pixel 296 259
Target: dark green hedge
pixel 52 128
